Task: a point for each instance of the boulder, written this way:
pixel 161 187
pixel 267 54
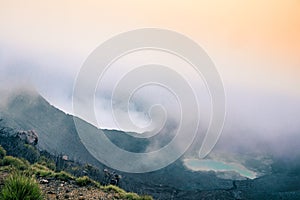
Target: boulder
pixel 30 136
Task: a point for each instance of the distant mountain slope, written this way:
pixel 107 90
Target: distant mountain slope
pixel 56 130
pixel 26 110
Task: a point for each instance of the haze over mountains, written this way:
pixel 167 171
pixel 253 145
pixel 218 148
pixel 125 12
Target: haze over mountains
pixel 254 46
pixel 278 172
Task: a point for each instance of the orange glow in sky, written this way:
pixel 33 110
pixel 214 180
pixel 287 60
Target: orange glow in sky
pixel 255 43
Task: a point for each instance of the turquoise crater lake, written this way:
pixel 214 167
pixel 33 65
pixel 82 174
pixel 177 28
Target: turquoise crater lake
pixel 219 166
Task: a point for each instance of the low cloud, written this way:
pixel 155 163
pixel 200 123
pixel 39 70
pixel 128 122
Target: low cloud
pixel 257 120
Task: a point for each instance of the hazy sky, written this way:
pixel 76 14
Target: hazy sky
pixel 252 43
pixel 255 46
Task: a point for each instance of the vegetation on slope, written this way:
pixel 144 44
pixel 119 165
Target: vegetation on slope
pixel 25 169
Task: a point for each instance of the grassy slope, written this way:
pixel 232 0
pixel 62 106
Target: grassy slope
pixel 68 185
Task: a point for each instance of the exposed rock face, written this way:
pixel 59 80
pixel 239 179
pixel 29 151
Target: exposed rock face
pixel 30 137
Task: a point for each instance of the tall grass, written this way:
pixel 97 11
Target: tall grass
pixel 20 187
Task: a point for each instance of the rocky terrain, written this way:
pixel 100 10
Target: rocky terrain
pixel 20 157
pixel 56 189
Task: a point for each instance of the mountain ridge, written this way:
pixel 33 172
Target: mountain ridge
pixel 57 134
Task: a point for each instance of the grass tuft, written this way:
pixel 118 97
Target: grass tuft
pixel 15 162
pixel 21 187
pixel 63 176
pixel 120 193
pixel 83 181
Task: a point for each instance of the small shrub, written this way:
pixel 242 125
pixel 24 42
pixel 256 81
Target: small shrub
pixel 15 162
pixel 130 196
pixel 113 188
pixel 83 181
pixel 2 152
pixel 41 171
pixel 63 176
pixel 44 173
pixel 19 187
pixel 134 196
pixel 39 166
pixel 120 193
